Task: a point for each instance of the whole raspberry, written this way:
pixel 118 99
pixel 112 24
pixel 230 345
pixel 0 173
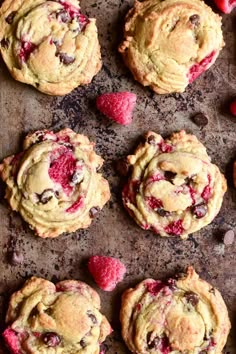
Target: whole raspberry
pixel 226 6
pixel 106 271
pixel 233 108
pixel 117 106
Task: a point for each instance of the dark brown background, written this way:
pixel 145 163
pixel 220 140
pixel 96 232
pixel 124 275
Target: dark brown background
pixel 113 233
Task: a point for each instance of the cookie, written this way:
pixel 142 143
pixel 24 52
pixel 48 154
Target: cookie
pixel 54 183
pixel 49 44
pixel 168 44
pixel 184 316
pixel 173 188
pixel 62 318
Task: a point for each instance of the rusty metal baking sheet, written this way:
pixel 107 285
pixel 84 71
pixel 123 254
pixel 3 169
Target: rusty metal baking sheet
pixel 113 233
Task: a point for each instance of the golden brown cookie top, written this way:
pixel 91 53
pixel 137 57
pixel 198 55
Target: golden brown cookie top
pixel 54 182
pixel 62 318
pixel 168 44
pixel 186 315
pixel 49 44
pixel 173 188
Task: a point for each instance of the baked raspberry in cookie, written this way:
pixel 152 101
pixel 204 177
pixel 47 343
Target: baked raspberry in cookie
pixel 173 189
pixel 49 44
pixel 184 316
pixel 54 183
pixel 168 44
pixel 63 318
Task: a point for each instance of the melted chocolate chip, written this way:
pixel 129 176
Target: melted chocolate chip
pixel 65 59
pixel 200 119
pixel 9 19
pixel 5 43
pixel 199 210
pixel 153 344
pixel 212 291
pixel 51 339
pixel 82 343
pixel 151 140
pixel 46 196
pixel 93 212
pixel 192 298
pixel 122 167
pixel 92 318
pixel 16 258
pixel 195 19
pixel 169 175
pixel 163 212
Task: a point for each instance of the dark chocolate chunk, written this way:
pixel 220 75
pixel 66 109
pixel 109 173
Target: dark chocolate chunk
pixel 163 212
pixel 192 298
pixel 195 19
pixel 93 212
pixel 153 344
pixel 65 59
pixel 92 317
pixel 82 343
pixel 122 167
pixel 151 140
pixel 212 291
pixel 169 175
pixel 5 43
pixel 200 119
pixel 16 258
pixel 228 238
pixel 51 339
pixel 9 19
pixel 46 196
pixel 199 210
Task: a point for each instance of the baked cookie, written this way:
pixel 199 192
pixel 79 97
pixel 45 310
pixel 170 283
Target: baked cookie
pixel 61 319
pixel 54 183
pixel 184 316
pixel 173 189
pixel 168 44
pixel 49 44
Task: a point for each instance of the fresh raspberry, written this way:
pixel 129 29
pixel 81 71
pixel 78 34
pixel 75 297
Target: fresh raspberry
pixel 106 271
pixel 11 341
pixel 233 108
pixel 117 106
pixel 226 6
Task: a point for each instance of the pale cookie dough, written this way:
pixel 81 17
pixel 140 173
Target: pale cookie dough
pixel 65 318
pixel 168 44
pixel 54 183
pixel 173 189
pixel 184 316
pixel 49 44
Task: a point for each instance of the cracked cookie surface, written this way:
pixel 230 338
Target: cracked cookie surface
pixel 173 188
pixel 183 316
pixel 61 319
pixel 49 44
pixel 168 44
pixel 54 183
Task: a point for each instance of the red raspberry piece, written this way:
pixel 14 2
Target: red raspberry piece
pixel 76 206
pixel 233 108
pixel 11 340
pixel 154 287
pixel 117 106
pixel 175 228
pixel 106 271
pixel 26 49
pixel 154 203
pixel 226 6
pixel 197 69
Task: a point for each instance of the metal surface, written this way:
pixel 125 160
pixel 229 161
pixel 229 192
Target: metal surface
pixel 23 109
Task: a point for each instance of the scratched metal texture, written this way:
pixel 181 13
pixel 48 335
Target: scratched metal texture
pixel 113 233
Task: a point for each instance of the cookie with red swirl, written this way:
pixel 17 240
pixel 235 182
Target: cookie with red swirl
pixel 63 318
pixel 184 316
pixel 173 188
pixel 49 44
pixel 54 183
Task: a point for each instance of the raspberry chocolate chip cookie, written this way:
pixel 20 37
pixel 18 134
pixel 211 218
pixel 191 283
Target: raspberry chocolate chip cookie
pixel 173 189
pixel 184 316
pixel 62 318
pixel 168 44
pixel 54 182
pixel 49 44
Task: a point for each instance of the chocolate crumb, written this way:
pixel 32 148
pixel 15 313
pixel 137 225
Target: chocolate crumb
pixel 9 19
pixel 228 238
pixel 200 119
pixel 192 298
pixel 195 19
pixel 93 212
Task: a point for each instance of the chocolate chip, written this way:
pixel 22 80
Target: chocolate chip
pixel 5 43
pixel 92 318
pixel 9 19
pixel 199 210
pixel 169 175
pixel 163 212
pixel 65 59
pixel 195 19
pixel 192 298
pixel 200 119
pixel 228 238
pixel 122 167
pixel 16 258
pixel 51 339
pixel 93 212
pixel 151 140
pixel 46 196
pixel 153 344
pixel 82 343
